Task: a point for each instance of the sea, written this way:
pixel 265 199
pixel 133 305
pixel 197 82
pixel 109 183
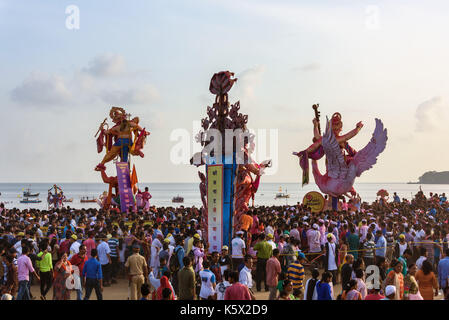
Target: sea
pixel 163 193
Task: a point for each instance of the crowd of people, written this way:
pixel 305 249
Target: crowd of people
pixel 396 250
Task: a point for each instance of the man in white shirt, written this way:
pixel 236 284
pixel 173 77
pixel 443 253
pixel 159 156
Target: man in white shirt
pixel 314 239
pixel 294 232
pixel 422 258
pixel 270 241
pixel 363 231
pixel 156 246
pixel 331 257
pixel 208 281
pixel 245 276
pixel 75 247
pixel 238 250
pixel 221 287
pixel 104 258
pixel 269 229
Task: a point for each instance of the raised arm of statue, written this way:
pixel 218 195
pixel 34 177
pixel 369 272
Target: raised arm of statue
pixel 350 134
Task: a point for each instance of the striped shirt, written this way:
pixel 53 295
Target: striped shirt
pixel 295 274
pixel 113 245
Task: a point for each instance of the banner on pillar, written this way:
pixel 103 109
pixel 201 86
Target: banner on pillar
pixel 215 206
pixel 124 186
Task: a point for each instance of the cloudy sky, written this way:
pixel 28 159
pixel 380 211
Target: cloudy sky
pixel 364 59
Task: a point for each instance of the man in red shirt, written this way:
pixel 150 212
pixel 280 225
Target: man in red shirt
pixel 236 291
pixel 374 294
pixel 78 260
pixel 89 243
pixel 64 247
pixel 273 271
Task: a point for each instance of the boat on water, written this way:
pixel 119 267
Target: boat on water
pixel 26 200
pixel 282 195
pixel 177 199
pixel 87 200
pixel 27 193
pixel 68 200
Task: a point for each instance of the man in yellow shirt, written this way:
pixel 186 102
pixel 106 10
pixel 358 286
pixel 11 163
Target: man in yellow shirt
pixel 45 265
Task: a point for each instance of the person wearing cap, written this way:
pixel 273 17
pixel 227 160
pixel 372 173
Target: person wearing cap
pixel 75 246
pixel 331 257
pixel 271 242
pixel 225 260
pixel 136 269
pixel 264 252
pixel 390 293
pixel 295 272
pixel 238 250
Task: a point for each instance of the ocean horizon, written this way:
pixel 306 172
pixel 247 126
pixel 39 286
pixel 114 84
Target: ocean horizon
pixel 163 192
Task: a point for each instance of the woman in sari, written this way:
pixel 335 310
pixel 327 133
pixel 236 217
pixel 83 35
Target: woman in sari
pixel 427 282
pixel 62 270
pixel 396 278
pixel 164 284
pixel 351 293
pixel 411 289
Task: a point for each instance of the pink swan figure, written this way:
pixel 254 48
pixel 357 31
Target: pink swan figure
pixel 341 173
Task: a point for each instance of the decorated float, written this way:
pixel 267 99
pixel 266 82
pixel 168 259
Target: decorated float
pixel 343 163
pixel 232 177
pixel 124 139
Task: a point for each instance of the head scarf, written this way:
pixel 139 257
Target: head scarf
pixel 164 284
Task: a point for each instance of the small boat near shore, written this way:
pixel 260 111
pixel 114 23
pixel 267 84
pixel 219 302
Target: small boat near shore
pixel 27 193
pixel 26 200
pixel 177 199
pixel 282 195
pixel 87 200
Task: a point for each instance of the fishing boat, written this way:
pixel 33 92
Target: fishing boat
pixel 177 199
pixel 68 200
pixel 87 200
pixel 27 193
pixel 26 200
pixel 282 195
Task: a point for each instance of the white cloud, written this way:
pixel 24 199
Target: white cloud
pixel 248 81
pixel 430 115
pixel 86 86
pixel 106 65
pixel 42 89
pixel 308 67
pixel 145 94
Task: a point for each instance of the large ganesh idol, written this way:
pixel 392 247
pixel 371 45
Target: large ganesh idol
pixel 124 139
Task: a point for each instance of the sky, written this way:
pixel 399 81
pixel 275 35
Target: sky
pixel 364 59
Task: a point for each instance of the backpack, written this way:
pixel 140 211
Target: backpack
pixel 174 262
